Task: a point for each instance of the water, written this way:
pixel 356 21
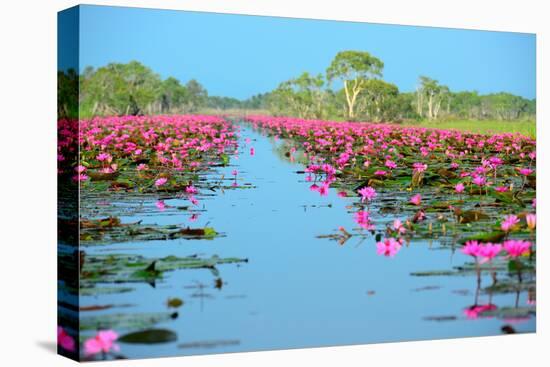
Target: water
pixel 296 290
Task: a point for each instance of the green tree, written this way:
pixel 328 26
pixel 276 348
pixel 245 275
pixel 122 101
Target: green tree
pixel 302 96
pixel 197 95
pixel 173 95
pixel 377 98
pixel 354 69
pixel 120 89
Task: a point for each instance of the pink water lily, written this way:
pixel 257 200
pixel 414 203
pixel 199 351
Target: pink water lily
pixel 509 222
pixel 416 199
pixel 388 247
pixel 161 182
pixel 160 205
pixel 459 188
pixel 367 193
pixel 471 248
pixel 64 340
pixel 191 189
pixel 103 342
pixel 489 251
pixel 531 220
pixel 363 219
pixel 517 248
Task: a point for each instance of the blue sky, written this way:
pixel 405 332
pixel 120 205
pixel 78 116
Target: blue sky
pixel 239 56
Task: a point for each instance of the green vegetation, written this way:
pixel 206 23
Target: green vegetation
pixel 352 89
pixel 527 127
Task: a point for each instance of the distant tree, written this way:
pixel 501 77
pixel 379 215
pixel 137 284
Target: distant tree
pixel 302 96
pixel 354 69
pixel 376 98
pixel 196 95
pixel 67 94
pixel 432 94
pixel 173 95
pixel 120 89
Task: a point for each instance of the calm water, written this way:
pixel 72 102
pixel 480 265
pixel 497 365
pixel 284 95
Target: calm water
pixel 296 290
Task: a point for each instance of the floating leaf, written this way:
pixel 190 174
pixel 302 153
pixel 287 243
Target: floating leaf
pixel 152 336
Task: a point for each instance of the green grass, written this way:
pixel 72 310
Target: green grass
pixel 527 128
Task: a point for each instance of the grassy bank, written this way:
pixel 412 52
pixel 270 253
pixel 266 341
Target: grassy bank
pixel 527 128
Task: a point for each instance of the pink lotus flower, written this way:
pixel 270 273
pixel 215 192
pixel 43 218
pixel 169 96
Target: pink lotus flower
pixel 531 220
pixel 471 248
pixel 191 189
pixel 323 190
pixel 142 167
pixel 234 172
pixel 194 217
pixel 65 340
pixel 363 219
pixel 525 171
pixel 160 205
pixel 419 167
pixel 80 169
pixel 475 311
pixel 80 177
pixel 509 222
pixel 103 342
pixel 479 180
pixel 104 157
pixel 398 226
pixel 517 248
pixel 380 172
pixel 252 151
pixel 501 188
pixel 459 188
pixel 161 181
pixel 388 247
pixel 342 194
pixel 416 199
pixel 194 200
pixel 314 187
pixel 367 193
pixel 489 251
pixel 390 164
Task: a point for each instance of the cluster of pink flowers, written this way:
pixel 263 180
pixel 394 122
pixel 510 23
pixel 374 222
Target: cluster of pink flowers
pixel 488 251
pixel 172 143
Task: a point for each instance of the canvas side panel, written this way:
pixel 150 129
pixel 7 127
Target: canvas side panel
pixel 68 254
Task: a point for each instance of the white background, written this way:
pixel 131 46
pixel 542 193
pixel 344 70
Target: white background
pixel 28 182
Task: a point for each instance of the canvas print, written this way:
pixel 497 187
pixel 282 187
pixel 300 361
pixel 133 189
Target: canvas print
pixel 233 183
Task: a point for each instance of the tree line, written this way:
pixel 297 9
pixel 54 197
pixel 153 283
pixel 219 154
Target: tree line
pixel 352 88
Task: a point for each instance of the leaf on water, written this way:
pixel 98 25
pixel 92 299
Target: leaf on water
pixel 511 313
pixel 151 336
pixel 440 318
pixel 125 321
pixel 427 288
pixel 494 237
pixel 209 344
pixel 469 216
pixel 174 302
pixel 119 268
pixel 432 273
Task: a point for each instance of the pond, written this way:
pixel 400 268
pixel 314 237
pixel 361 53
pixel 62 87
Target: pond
pixel 276 265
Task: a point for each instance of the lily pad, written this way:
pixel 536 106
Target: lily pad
pixel 151 336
